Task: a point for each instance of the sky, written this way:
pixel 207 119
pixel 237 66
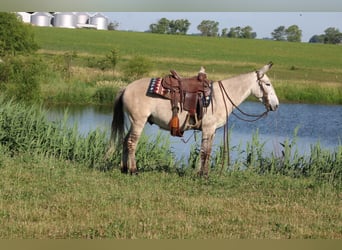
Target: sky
pixel 263 23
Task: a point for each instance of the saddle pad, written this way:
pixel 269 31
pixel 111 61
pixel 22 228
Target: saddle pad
pixel 156 87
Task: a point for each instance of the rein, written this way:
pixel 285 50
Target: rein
pixel 256 117
pixel 225 131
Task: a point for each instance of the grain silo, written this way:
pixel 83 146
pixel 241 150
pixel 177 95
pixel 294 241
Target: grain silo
pixel 41 19
pixel 24 16
pixel 100 21
pixel 82 18
pixel 64 20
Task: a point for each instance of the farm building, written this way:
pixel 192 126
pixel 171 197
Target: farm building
pixel 41 19
pixel 100 21
pixel 65 19
pixel 24 16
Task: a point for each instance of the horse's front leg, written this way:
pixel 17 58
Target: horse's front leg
pixel 206 147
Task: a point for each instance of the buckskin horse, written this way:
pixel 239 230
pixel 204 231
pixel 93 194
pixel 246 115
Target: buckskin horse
pixel 141 107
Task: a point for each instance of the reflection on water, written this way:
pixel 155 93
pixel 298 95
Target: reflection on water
pixel 314 122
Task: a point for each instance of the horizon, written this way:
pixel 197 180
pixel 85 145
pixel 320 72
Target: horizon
pixel 311 23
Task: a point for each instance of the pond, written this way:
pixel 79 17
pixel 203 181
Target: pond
pixel 314 123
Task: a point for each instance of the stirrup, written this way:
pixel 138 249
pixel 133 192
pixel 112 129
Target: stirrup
pixel 192 121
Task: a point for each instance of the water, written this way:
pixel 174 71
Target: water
pixel 315 123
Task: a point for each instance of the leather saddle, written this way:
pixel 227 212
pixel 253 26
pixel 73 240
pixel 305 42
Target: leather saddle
pixel 190 94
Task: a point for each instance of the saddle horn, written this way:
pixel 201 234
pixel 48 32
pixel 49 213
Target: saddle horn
pixel 202 70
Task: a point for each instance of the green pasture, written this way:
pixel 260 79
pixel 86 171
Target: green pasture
pixel 45 198
pixel 57 184
pixel 302 72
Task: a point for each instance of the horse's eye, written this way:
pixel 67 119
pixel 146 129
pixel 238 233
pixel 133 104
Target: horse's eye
pixel 267 84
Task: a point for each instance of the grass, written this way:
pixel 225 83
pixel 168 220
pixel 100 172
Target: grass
pixel 299 67
pixel 57 185
pixel 45 198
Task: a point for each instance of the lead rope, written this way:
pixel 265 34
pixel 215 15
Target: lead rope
pixel 225 131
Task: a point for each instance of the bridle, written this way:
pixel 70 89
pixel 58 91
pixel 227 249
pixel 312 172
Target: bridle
pixel 264 98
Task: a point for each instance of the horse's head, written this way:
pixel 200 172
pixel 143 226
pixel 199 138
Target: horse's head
pixel 264 89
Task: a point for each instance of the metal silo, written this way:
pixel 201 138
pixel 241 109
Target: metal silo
pixel 82 18
pixel 100 21
pixel 65 20
pixel 41 19
pixel 24 16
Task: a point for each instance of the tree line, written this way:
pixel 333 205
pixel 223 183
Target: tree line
pixel 211 28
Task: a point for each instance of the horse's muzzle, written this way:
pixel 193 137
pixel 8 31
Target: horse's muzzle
pixel 273 107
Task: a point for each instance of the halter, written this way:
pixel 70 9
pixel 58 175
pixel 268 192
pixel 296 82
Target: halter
pixel 264 98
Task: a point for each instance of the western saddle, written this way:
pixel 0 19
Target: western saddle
pixel 190 94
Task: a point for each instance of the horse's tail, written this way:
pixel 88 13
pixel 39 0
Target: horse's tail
pixel 118 123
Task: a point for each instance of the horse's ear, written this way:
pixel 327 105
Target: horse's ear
pixel 264 69
pixel 270 64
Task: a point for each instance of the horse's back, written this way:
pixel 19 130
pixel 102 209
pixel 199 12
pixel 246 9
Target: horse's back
pixel 140 105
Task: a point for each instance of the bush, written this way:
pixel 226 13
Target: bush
pixel 137 67
pixel 15 36
pixel 20 77
pixel 103 63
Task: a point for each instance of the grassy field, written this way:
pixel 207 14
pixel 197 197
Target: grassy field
pixel 57 184
pixel 302 72
pixel 45 198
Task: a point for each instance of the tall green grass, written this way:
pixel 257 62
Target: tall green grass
pixel 26 129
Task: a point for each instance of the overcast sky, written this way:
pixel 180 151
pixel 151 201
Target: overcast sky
pixel 263 23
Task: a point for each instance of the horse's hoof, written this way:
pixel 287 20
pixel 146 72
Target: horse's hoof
pixel 134 172
pixel 202 174
pixel 124 170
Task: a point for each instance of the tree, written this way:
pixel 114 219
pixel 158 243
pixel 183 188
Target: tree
pixel 208 28
pixel 317 39
pixel 15 36
pixel 293 34
pixel 245 32
pixel 162 27
pixel 332 36
pixel 113 25
pixel 179 26
pixel 234 32
pixel 279 34
pixel 224 32
pixel 165 26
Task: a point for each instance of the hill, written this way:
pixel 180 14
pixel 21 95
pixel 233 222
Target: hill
pixel 302 72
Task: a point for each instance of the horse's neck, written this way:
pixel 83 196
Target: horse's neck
pixel 240 87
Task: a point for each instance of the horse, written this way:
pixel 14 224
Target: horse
pixel 141 108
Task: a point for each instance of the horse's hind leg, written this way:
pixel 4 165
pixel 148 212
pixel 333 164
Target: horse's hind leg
pixel 129 148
